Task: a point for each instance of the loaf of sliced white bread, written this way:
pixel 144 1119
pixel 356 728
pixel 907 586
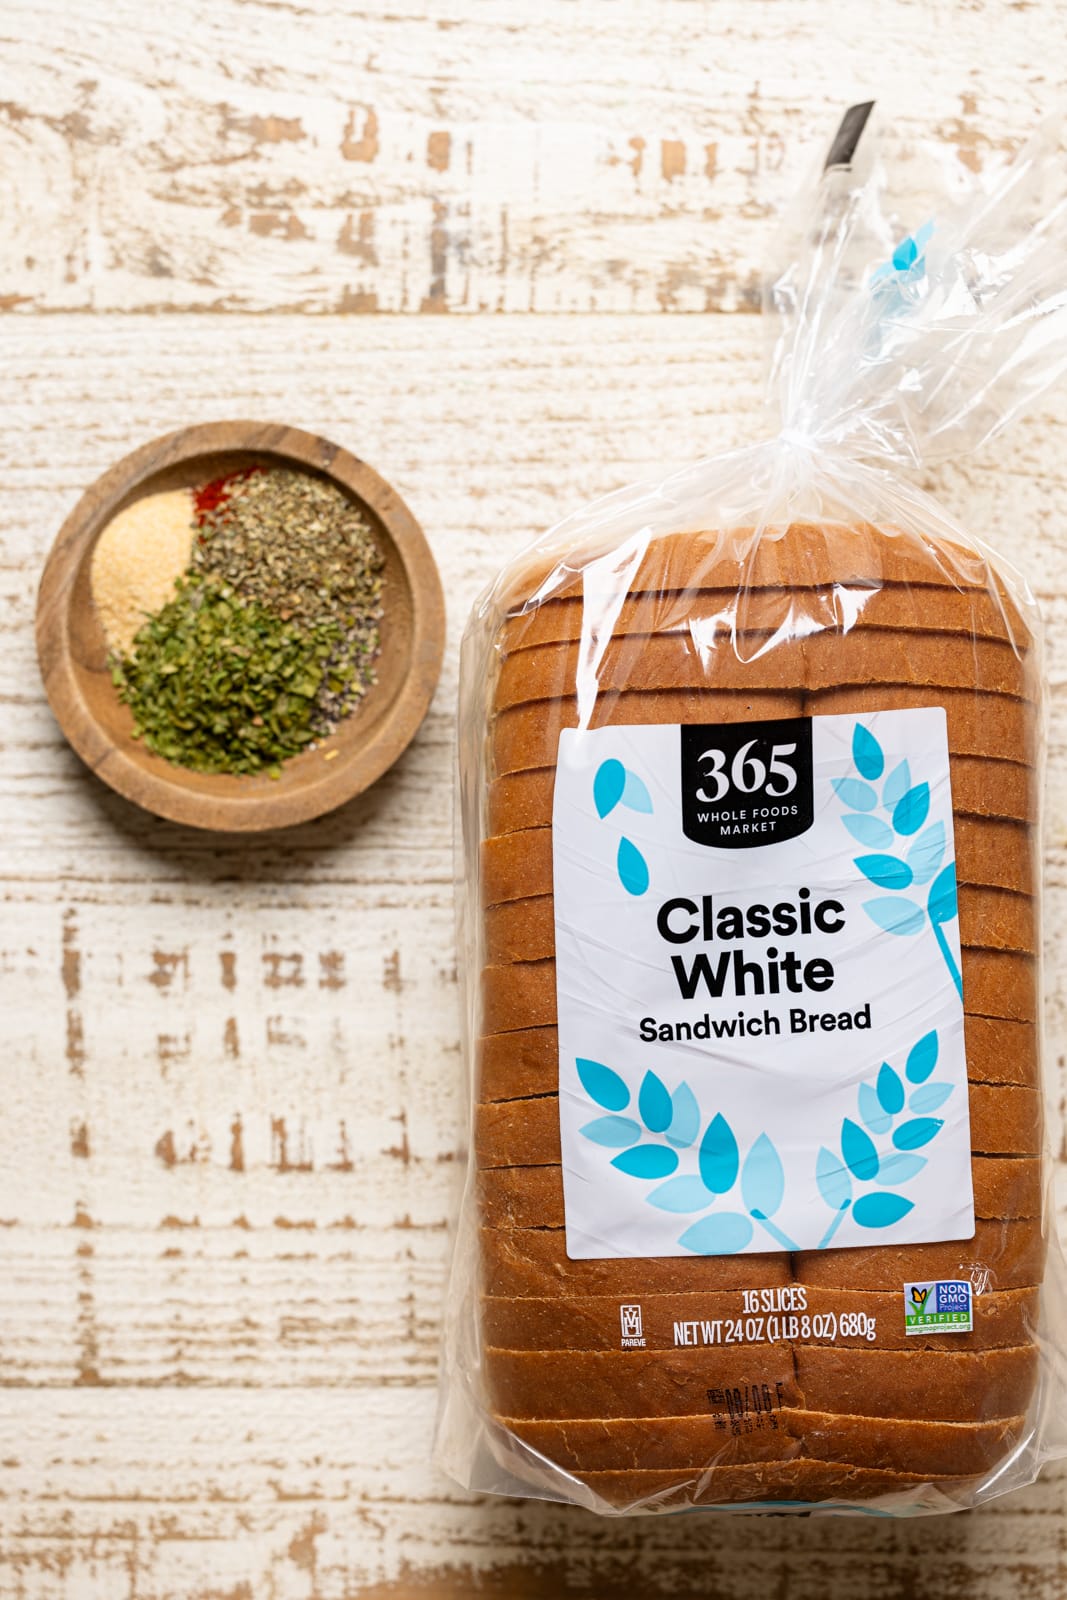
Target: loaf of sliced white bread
pixel 710 635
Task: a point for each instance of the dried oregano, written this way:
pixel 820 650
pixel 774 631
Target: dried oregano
pixel 300 547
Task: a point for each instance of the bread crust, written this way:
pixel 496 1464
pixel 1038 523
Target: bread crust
pixel 513 1066
pixel 646 662
pixel 990 919
pixel 537 1384
pixel 989 854
pixel 927 1385
pixel 980 788
pixel 800 555
pixel 522 994
pixel 710 614
pixel 1005 1121
pixel 1001 1255
pixel 691 1444
pixel 532 1196
pixel 535 1262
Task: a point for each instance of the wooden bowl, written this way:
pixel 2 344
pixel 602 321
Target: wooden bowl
pixel 73 654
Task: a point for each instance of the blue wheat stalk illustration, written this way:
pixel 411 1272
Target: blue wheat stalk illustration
pixel 859 1161
pixel 895 819
pixel 649 1147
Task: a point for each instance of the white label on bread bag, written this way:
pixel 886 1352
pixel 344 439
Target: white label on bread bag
pixel 759 987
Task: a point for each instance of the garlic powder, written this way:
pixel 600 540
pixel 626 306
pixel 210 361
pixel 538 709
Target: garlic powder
pixel 137 561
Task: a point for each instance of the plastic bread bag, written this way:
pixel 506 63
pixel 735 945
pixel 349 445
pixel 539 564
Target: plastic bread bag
pixel 758 1210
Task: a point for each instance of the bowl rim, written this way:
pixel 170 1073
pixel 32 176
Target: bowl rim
pixel 154 789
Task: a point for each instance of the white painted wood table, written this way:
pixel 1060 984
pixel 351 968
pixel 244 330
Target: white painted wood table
pixel 232 1097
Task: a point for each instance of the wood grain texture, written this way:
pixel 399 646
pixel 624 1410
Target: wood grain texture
pixel 464 155
pixel 233 1099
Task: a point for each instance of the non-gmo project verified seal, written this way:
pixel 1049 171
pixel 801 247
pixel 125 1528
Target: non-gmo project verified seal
pixel 940 1307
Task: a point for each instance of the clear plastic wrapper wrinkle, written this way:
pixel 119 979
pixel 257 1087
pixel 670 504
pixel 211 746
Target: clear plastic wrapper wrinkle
pixel 758 1204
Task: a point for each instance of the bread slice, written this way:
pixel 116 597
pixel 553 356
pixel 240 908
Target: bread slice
pixel 512 1066
pixel 799 555
pixel 762 661
pixel 535 1262
pixel 532 1196
pixel 528 736
pixel 996 983
pixel 980 788
pixel 1007 1317
pixel 989 854
pixel 928 1385
pixel 622 1383
pixel 1006 1120
pixel 797 1482
pixel 1000 1255
pixel 683 1445
pixel 709 614
pixel 686 1445
pixel 991 726
pixel 990 919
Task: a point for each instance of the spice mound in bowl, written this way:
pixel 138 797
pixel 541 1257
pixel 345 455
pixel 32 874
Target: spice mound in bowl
pixel 242 616
pixel 240 626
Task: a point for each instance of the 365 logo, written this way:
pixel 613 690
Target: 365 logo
pixel 746 783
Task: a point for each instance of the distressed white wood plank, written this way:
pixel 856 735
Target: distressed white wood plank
pixel 224 1496
pixel 231 1075
pixel 466 154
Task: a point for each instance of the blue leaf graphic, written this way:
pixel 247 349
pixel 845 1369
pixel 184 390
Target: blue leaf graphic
pixel 833 1180
pixel 897 1167
pixel 924 857
pixel 868 830
pixel 910 811
pixel 647 1161
pixel 723 1233
pixel 608 786
pixel 897 784
pixel 603 1085
pixel 635 795
pixel 872 1111
pixel 851 792
pixel 886 871
pixel 719 1156
pixel 922 1058
pixel 654 1104
pixel 633 869
pixel 929 1097
pixel 762 1178
pixel 941 901
pixel 685 1123
pixel 906 254
pixel 861 1157
pixel 890 1089
pixel 881 1210
pixel 895 916
pixel 867 753
pixel 680 1194
pixel 614 1132
pixel 913 1135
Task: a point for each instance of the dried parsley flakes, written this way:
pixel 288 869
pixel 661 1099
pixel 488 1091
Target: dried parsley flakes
pixel 221 684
